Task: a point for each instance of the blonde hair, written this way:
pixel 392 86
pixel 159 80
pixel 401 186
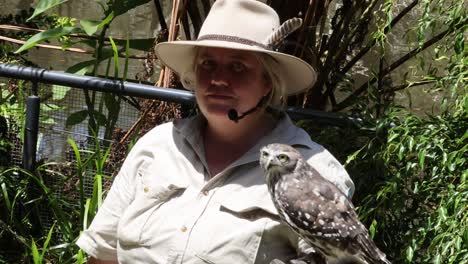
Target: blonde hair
pixel 272 71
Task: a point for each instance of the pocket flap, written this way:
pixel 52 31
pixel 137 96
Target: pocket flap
pixel 161 183
pixel 250 200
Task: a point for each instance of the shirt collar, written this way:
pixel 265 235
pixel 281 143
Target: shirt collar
pixel 285 132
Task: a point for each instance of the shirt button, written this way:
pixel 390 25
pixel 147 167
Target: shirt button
pixel 146 189
pixel 183 229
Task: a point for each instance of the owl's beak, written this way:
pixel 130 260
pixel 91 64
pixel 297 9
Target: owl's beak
pixel 269 164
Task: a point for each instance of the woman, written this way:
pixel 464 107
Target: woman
pixel 191 191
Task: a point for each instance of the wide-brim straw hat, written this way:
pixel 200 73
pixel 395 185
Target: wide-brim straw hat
pixel 243 25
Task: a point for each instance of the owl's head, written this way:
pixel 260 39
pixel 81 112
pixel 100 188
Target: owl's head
pixel 278 159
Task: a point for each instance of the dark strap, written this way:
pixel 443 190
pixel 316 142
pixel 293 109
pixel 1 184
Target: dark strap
pixel 233 39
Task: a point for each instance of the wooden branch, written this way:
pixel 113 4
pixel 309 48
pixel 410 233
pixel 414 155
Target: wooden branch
pixel 159 11
pixel 372 43
pixel 21 42
pixel 193 12
pixel 206 7
pixel 404 86
pixel 352 97
pixel 315 95
pixel 18 28
pixel 304 28
pixel 76 50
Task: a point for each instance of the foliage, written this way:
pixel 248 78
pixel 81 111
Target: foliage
pixel 28 237
pixel 420 194
pixel 101 111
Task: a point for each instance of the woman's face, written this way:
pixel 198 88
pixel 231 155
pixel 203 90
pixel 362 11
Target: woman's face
pixel 228 79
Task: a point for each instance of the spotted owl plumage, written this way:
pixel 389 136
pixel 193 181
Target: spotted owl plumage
pixel 315 208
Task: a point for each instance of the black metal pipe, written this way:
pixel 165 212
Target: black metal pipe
pixel 97 84
pixel 30 132
pixel 147 91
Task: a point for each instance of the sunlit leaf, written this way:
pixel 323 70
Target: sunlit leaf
pixel 443 213
pixel 409 254
pixel 35 253
pixel 46 243
pixel 59 91
pixel 44 5
pixel 422 158
pixel 53 33
pixel 92 26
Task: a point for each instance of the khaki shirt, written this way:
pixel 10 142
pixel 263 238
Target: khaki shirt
pixel 164 207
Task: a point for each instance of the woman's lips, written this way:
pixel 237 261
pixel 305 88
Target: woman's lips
pixel 220 96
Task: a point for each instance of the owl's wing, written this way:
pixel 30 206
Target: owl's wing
pixel 316 205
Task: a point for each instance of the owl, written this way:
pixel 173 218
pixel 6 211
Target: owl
pixel 315 208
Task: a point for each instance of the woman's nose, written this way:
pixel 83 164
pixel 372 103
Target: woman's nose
pixel 220 76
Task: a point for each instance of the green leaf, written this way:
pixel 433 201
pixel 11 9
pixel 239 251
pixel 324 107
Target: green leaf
pixel 422 158
pixel 92 26
pixel 443 213
pixel 45 35
pixel 459 44
pixel 82 68
pixel 401 152
pixel 122 6
pixel 372 228
pixel 80 257
pixel 392 137
pixel 86 213
pixel 5 196
pixel 410 143
pixel 76 118
pixel 35 253
pixel 44 5
pixel 111 103
pixel 100 117
pixel 116 58
pixel 46 243
pixel 409 254
pixel 47 120
pixel 59 91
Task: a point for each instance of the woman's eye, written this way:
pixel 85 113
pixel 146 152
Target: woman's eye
pixel 238 67
pixel 207 64
pixel 283 158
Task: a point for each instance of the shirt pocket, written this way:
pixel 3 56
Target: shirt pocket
pixel 242 219
pixel 154 188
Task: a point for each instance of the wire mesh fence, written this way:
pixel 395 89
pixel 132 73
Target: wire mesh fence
pixel 54 150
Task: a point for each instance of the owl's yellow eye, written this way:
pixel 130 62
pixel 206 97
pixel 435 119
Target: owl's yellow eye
pixel 283 157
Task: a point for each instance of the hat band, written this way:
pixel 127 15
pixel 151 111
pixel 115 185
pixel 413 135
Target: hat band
pixel 233 39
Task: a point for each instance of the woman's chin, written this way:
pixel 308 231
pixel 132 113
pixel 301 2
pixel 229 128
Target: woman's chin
pixel 218 110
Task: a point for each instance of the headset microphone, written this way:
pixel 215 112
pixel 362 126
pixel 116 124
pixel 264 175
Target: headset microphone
pixel 234 116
